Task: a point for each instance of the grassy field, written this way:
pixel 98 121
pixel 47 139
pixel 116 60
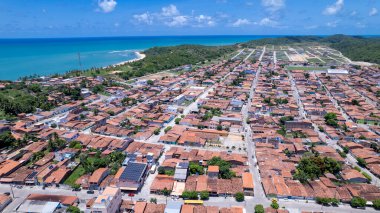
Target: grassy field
pixel 306 68
pixel 77 173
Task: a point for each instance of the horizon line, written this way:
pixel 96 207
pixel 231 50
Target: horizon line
pixel 152 36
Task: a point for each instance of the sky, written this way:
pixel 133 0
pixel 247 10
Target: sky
pixel 97 18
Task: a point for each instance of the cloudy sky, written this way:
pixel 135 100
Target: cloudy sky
pixel 83 18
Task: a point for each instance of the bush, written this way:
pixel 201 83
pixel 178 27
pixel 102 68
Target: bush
pixel 358 202
pixel 239 197
pixel 259 208
pixel 73 209
pixel 157 131
pixel 205 195
pixel 366 175
pixel 153 200
pixel 192 195
pixel 376 204
pixel 361 162
pixel 274 204
pixel 167 129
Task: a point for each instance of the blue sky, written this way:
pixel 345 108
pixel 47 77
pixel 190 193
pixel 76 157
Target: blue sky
pixel 83 18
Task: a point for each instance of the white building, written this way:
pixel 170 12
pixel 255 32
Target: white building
pixel 107 202
pixel 337 72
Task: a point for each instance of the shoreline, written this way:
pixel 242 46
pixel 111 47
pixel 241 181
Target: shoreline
pixel 139 55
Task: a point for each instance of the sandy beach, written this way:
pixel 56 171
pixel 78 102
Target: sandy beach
pixel 139 55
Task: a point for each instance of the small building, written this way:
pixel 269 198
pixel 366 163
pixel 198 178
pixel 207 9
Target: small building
pixel 108 202
pixel 173 207
pixel 131 177
pixel 5 200
pixel 213 171
pixel 352 175
pixel 97 177
pixel 337 72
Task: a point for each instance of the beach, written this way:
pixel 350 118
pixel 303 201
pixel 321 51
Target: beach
pixel 139 55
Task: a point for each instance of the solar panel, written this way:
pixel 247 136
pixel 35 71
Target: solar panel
pixel 133 171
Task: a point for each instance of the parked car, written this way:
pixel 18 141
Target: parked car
pixel 90 192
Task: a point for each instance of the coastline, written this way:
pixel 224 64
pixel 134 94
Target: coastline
pixel 139 55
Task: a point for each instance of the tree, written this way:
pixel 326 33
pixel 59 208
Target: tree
pixel 204 195
pixel 259 208
pixel 331 119
pixel 153 200
pixel 161 170
pixel 157 131
pixel 224 167
pixel 195 168
pixel 361 162
pixel 358 202
pixel 166 192
pixel 376 204
pixel 312 167
pixel 192 195
pixel 73 209
pixel 150 82
pixel 53 125
pixel 346 149
pixel 167 129
pixel 239 196
pixel 98 88
pixel 7 139
pixel 75 186
pixel 274 204
pixel 177 120
pixel 307 75
pixel 219 127
pixel 355 102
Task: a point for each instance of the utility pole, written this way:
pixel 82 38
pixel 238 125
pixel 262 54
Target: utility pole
pixel 13 196
pixel 79 60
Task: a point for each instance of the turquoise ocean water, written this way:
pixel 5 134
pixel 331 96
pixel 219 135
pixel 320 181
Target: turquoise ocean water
pixel 25 57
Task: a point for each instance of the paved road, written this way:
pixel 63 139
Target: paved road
pixel 249 55
pixel 237 54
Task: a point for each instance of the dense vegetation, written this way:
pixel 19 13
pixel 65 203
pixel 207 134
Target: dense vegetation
pixel 224 167
pixel 18 98
pixel 312 167
pixel 164 58
pixel 354 47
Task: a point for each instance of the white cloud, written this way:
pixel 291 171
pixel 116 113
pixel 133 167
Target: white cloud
pixel 145 18
pixel 177 21
pixel 273 5
pixel 172 17
pixel 268 22
pixel 204 20
pixel 334 8
pixel 373 12
pixel 332 24
pixel 107 5
pixel 240 22
pixel 311 27
pixel 170 10
pixel 360 25
pixel 353 13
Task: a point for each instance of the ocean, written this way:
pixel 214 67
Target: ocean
pixel 25 57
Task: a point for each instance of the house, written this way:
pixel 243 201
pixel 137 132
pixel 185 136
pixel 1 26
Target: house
pixel 5 200
pixel 97 177
pixel 354 176
pixel 173 207
pixel 248 186
pixel 213 171
pixel 108 201
pixel 67 153
pixel 131 177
